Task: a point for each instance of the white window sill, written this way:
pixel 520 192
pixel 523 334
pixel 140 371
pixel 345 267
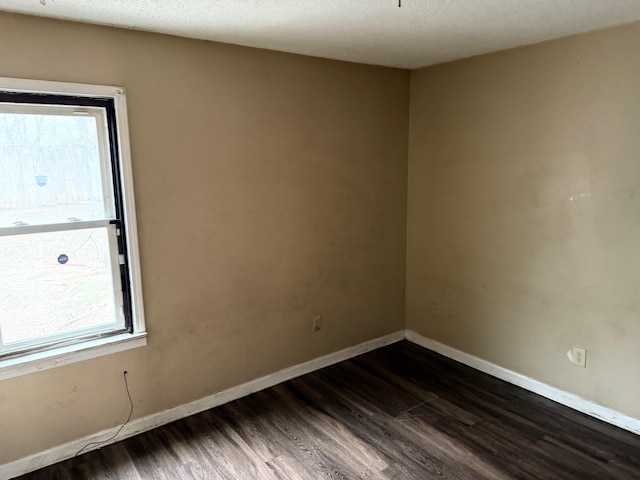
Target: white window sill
pixel 36 362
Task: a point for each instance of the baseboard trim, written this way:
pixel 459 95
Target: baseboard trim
pixel 571 400
pixel 149 422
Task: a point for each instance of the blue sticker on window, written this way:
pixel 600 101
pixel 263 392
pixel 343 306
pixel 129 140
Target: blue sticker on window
pixel 62 259
pixel 41 180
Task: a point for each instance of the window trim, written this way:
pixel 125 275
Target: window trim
pixel 62 355
pixel 56 357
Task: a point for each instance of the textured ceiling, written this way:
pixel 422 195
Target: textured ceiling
pixel 420 33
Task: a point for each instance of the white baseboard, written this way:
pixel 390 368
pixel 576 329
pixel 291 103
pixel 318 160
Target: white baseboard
pixel 149 422
pixel 565 398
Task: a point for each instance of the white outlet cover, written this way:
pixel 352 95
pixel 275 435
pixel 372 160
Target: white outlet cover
pixel 578 356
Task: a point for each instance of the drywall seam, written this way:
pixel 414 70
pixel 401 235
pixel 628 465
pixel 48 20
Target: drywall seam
pixel 571 400
pixel 139 425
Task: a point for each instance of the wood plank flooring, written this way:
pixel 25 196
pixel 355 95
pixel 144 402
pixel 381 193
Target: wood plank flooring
pixel 401 412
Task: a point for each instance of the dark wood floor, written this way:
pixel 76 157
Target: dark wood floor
pixel 400 412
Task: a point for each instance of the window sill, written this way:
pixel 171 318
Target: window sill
pixel 36 362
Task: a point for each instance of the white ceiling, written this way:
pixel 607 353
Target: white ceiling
pixel 420 33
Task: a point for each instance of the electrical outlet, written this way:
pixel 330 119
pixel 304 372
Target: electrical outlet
pixel 317 323
pixel 578 356
pixel 434 309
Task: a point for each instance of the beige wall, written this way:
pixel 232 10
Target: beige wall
pixel 272 187
pixel 269 187
pixel 524 211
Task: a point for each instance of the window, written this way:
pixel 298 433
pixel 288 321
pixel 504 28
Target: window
pixel 69 269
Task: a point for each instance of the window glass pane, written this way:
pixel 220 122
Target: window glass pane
pixel 50 169
pixel 52 283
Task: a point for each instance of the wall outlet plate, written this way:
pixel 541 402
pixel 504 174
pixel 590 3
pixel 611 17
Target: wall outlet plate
pixel 317 323
pixel 578 356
